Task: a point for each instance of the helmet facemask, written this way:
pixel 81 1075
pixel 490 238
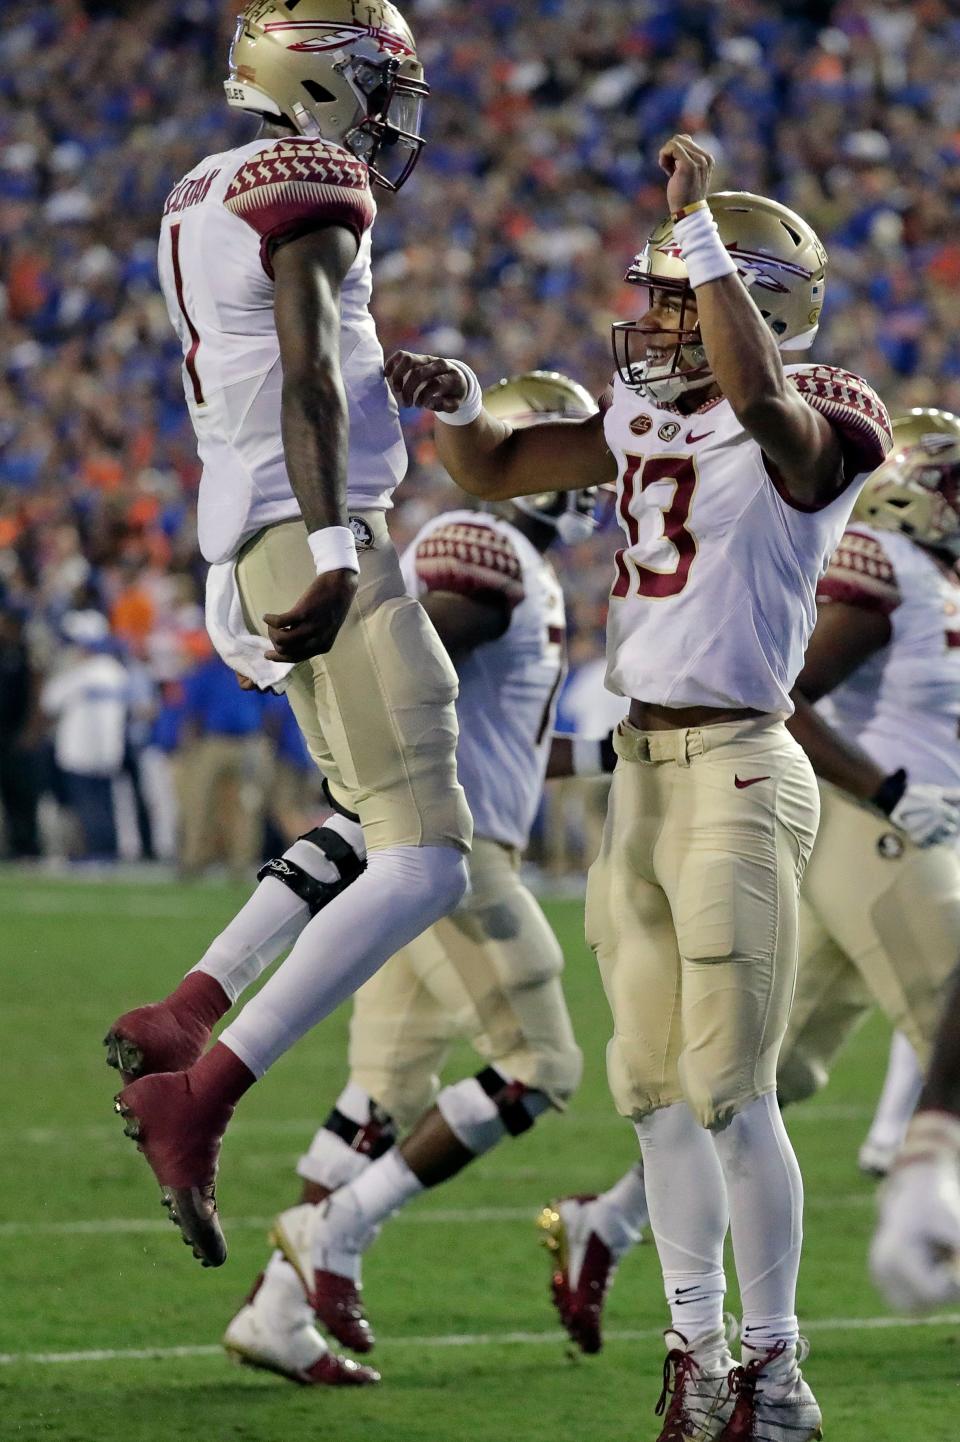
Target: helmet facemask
pixel 330 77
pixel 659 362
pixel 570 513
pixel 387 136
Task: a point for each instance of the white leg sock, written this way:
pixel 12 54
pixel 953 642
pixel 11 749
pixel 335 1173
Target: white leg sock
pixel 352 1216
pixel 274 917
pixel 688 1216
pixel 901 1092
pixel 281 1297
pixel 403 891
pixel 475 1118
pixel 620 1214
pixel 766 1221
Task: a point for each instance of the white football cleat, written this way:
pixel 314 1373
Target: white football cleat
pixel 773 1401
pixel 876 1158
pixel 697 1401
pixel 326 1252
pixel 285 1341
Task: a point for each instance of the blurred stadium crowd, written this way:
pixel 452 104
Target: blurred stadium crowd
pixel 538 184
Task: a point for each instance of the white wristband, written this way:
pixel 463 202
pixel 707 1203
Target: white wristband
pixel 334 549
pixel 701 249
pixel 472 403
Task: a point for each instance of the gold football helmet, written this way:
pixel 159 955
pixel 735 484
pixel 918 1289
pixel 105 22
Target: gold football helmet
pixel 340 70
pixel 528 400
pixel 779 258
pixel 917 489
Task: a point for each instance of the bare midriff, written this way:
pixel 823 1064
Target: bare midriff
pixel 648 717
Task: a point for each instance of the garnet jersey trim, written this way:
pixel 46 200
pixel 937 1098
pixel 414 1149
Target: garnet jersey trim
pixel 854 410
pixel 300 185
pixel 469 558
pixel 861 574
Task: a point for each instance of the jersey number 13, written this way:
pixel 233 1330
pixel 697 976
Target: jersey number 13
pixel 633 577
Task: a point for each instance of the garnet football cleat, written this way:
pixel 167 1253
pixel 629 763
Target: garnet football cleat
pixel 254 1339
pixel 167 1035
pixel 695 1401
pixel 583 1268
pixel 151 1039
pixel 180 1136
pixel 337 1304
pixel 772 1403
pixel 335 1298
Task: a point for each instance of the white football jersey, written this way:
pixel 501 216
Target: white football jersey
pixel 903 704
pixel 215 237
pixel 508 687
pixel 714 596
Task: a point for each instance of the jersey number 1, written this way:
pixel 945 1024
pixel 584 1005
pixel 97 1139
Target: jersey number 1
pixel 190 359
pixel 682 472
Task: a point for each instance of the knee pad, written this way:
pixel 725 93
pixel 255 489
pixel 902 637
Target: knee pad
pixel 322 850
pixel 343 1147
pixel 799 1077
pixel 482 1109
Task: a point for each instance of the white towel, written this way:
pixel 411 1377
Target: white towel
pixel 242 650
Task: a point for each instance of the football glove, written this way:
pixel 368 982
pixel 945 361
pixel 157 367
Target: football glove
pixel 915 1255
pixel 930 815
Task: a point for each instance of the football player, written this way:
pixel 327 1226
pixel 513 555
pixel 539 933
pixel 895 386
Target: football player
pixel 489 972
pixel 736 478
pixel 898 1098
pixel 883 667
pixel 886 674
pixel 265 267
pixel 915 1256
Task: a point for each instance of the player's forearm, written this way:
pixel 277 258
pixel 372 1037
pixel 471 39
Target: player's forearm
pixel 832 758
pixel 942 1089
pixel 315 430
pixel 479 457
pixel 742 353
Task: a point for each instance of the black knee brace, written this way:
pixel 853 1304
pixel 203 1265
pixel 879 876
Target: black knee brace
pixel 377 1136
pixel 507 1097
pixel 316 893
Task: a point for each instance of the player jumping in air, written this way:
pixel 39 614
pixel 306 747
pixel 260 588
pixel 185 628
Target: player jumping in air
pixel 735 480
pixel 489 972
pixel 265 266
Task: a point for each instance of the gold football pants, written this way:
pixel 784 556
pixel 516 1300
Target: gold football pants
pixel 879 926
pixel 488 973
pixel 377 711
pixel 692 912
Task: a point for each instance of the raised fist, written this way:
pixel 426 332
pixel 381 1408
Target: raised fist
pixel 425 380
pixel 689 168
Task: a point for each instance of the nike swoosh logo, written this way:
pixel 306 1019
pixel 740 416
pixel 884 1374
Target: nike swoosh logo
pixel 692 439
pixel 750 781
pixel 682 1291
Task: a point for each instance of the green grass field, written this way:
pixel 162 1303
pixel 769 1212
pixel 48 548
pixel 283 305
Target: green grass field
pixel 98 1293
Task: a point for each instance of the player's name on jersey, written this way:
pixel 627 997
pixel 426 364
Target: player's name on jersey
pixel 190 192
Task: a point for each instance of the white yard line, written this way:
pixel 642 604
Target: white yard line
pixel 422 1216
pixel 461 1339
